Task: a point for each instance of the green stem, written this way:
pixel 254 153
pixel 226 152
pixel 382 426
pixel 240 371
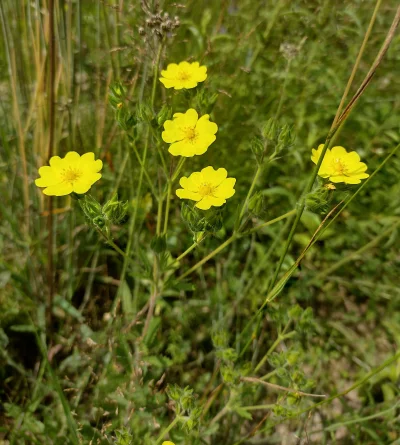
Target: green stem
pixel 168 194
pixel 167 430
pixel 268 223
pixel 149 181
pixel 250 192
pixel 208 257
pixel 300 210
pixel 193 246
pixel 226 243
pixel 132 223
pixel 282 336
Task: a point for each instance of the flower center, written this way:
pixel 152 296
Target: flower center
pixel 206 189
pixel 71 174
pixel 339 167
pixel 183 75
pixel 191 134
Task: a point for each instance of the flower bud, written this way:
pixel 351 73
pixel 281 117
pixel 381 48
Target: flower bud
pixel 317 201
pixel 115 211
pixel 164 114
pixel 270 129
pixel 256 203
pixel 257 147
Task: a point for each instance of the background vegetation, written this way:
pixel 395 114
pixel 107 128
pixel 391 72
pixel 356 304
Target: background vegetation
pixel 81 371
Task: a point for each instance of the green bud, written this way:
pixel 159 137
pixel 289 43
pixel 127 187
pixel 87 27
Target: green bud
pixel 116 95
pixel 295 312
pixel 293 399
pixel 115 211
pixel 91 208
pixel 292 357
pixel 164 114
pixel 256 203
pixel 229 355
pixel 220 339
pixel 117 90
pixel 228 374
pixel 270 129
pixel 159 244
pixel 200 220
pixel 99 221
pixel 123 438
pixel 174 392
pixel 124 118
pixel 317 201
pixel 257 147
pixel 286 138
pixel 144 113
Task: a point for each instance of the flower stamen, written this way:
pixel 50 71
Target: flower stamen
pixel 206 189
pixel 340 167
pixel 71 175
pixel 191 134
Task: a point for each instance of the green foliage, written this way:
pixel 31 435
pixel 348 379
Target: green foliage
pixel 157 344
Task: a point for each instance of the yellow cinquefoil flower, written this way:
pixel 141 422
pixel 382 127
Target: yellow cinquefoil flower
pixel 168 442
pixel 185 75
pixel 189 135
pixel 340 166
pixel 73 173
pixel 209 187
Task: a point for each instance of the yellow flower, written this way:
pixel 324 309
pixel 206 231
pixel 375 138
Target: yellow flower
pixel 73 173
pixel 340 166
pixel 185 75
pixel 209 187
pixel 168 442
pixel 189 135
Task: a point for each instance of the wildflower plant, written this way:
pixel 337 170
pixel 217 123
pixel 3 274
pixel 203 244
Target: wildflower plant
pixel 189 299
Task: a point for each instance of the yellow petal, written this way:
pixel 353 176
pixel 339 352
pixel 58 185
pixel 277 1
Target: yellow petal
pixel 168 83
pixel 225 189
pixel 62 189
pixel 338 152
pixel 72 157
pixel 214 177
pixel 182 148
pixel 187 194
pixel 192 182
pixel 190 118
pixel 205 126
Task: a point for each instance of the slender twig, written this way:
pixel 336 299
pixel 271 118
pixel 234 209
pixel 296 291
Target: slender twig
pixel 167 430
pixel 357 62
pixel 50 252
pixel 283 388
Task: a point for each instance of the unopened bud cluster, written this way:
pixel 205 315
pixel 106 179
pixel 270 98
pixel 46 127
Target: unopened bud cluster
pixel 158 23
pixel 102 217
pixel 274 137
pixel 200 221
